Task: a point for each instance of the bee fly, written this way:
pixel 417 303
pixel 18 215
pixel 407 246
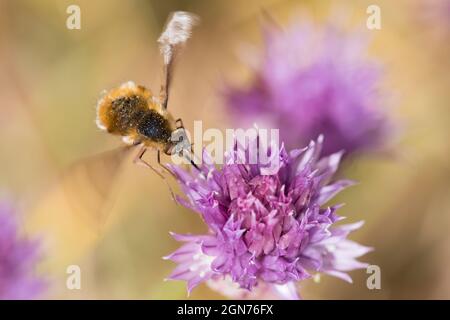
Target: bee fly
pixel 133 112
pixel 142 119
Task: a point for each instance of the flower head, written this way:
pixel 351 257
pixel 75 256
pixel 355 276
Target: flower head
pixel 266 231
pixel 314 80
pixel 18 256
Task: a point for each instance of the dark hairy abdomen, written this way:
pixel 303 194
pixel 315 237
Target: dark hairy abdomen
pixel 154 127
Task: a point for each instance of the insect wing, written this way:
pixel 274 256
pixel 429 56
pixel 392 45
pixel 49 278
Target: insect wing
pixel 89 182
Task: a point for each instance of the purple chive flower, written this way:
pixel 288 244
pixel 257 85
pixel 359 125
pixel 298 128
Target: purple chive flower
pixel 18 257
pixel 313 80
pixel 266 232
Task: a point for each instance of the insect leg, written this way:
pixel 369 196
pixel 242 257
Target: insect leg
pixel 179 124
pixel 162 165
pixel 167 75
pixel 138 160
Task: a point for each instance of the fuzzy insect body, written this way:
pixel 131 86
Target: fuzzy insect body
pixel 131 111
pixel 141 118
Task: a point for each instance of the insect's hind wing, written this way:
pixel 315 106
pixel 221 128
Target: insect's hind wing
pixel 89 182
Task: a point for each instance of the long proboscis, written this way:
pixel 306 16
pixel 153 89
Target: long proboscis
pixel 177 31
pixel 188 157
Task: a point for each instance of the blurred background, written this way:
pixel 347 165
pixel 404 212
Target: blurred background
pixel 51 77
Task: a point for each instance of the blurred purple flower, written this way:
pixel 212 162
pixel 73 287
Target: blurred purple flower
pixel 266 231
pixel 314 80
pixel 18 257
